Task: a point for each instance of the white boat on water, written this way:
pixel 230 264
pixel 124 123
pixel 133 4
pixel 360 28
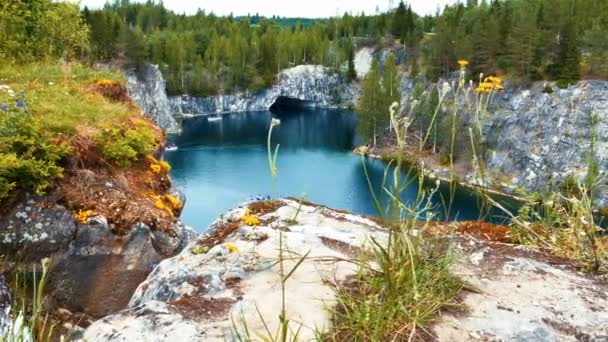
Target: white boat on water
pixel 214 118
pixel 170 147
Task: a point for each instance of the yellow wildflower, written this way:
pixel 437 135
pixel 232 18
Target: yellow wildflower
pixel 174 201
pixel 251 220
pixel 83 215
pixel 155 168
pixel 232 247
pixel 160 204
pixel 165 165
pixel 463 62
pixel 493 79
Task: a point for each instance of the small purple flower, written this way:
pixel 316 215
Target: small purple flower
pixel 21 104
pixel 4 107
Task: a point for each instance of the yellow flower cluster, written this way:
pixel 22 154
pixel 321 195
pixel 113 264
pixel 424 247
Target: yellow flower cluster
pixel 83 216
pixel 168 203
pixel 156 166
pixel 489 84
pixel 232 247
pixel 463 63
pixel 250 219
pixel 105 82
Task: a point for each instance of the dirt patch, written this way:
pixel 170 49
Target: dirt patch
pixel 341 247
pixel 124 197
pixel 203 309
pixel 111 90
pixel 484 230
pixel 219 233
pixel 264 207
pixel 199 307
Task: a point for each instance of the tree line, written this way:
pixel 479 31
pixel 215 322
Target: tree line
pixel 204 54
pixel 527 40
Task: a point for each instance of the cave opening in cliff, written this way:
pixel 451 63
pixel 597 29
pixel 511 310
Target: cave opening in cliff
pixel 284 103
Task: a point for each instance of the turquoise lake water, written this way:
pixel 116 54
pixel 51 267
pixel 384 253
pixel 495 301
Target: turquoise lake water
pixel 221 164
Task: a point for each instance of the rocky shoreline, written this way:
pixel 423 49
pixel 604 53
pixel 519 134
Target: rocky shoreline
pixel 208 294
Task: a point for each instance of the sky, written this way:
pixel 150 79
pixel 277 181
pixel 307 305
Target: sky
pixel 289 8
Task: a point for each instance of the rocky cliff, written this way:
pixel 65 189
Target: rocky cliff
pixel 539 139
pixel 310 85
pixel 536 138
pixel 148 90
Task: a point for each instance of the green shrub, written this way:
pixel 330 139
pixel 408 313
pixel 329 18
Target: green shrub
pixel 548 89
pixel 29 155
pixel 123 146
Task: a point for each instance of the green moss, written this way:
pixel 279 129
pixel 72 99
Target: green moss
pixel 49 106
pixel 125 145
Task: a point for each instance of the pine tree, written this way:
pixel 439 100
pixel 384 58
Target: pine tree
pixel 568 60
pixel 370 103
pixel 391 82
pixel 351 74
pixel 135 52
pixel 398 24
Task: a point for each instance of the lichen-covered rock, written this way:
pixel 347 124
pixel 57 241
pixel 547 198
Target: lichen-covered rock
pixel 93 270
pixel 148 90
pixel 197 295
pixel 540 139
pixel 524 295
pixel 210 294
pixel 36 228
pixel 100 270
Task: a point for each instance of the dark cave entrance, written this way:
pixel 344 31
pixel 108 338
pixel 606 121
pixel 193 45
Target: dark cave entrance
pixel 284 103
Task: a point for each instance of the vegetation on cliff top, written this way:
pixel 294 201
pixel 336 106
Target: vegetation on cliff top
pixel 71 130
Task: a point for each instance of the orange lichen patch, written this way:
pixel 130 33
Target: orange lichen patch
pixel 232 247
pixel 174 201
pixel 264 207
pixel 484 230
pixel 111 90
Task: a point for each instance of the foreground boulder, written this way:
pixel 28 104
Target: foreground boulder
pixel 204 297
pixel 525 295
pixel 93 270
pixel 229 279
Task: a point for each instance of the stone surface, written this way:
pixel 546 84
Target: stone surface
pixel 314 85
pixel 363 61
pixel 36 228
pixel 194 296
pixel 523 295
pixel 100 270
pixel 93 270
pixel 539 139
pixel 536 140
pixel 148 90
